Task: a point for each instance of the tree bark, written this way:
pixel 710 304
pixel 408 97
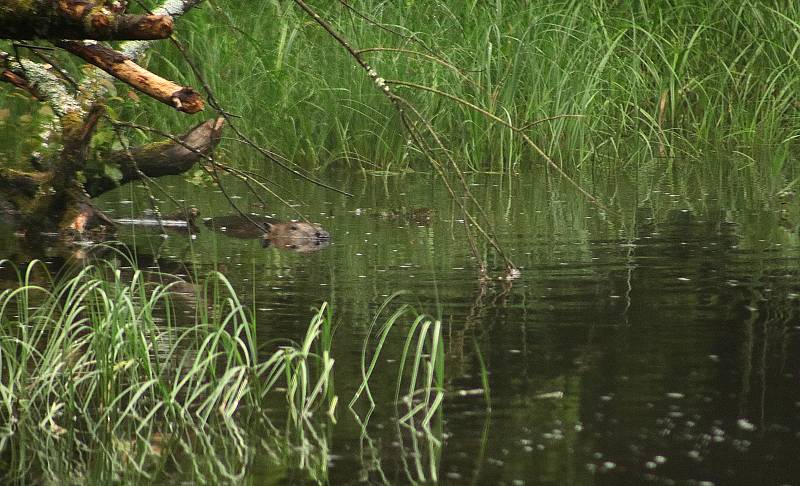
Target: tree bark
pixel 121 67
pixel 77 19
pixel 161 158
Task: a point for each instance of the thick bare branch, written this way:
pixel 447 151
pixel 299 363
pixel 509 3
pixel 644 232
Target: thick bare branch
pixel 182 98
pixel 77 19
pixel 20 82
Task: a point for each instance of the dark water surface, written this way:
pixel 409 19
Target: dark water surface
pixel 660 345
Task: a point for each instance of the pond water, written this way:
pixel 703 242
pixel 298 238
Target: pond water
pixel 660 344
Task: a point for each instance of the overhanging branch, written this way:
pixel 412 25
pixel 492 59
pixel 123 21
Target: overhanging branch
pixel 171 157
pixel 77 19
pixel 182 98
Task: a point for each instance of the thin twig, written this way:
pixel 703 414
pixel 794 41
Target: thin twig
pixel 516 129
pixel 399 104
pixel 214 103
pixel 411 37
pixel 421 54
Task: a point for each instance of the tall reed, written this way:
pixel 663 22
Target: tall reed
pixel 593 82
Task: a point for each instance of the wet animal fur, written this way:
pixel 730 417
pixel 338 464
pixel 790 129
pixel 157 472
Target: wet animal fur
pixel 293 235
pixel 299 236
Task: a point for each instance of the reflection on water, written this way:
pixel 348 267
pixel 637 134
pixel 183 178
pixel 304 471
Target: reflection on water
pixel 660 344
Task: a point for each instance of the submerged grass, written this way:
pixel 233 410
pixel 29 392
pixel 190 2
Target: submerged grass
pixel 595 83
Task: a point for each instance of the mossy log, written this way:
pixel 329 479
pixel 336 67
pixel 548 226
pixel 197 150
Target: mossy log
pixel 55 201
pixel 77 19
pixel 60 193
pixel 160 158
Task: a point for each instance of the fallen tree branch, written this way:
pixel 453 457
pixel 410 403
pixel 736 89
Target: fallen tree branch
pixel 77 19
pixel 182 98
pixel 169 157
pixel 20 82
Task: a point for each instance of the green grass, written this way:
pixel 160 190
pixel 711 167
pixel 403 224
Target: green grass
pixel 597 83
pixel 420 368
pixel 98 370
pixel 110 373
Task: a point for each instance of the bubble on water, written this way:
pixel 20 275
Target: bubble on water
pixel 608 466
pixel 745 425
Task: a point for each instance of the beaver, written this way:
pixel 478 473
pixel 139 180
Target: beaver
pixel 292 235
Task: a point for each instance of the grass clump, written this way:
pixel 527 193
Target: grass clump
pixel 100 378
pixel 113 374
pixel 420 369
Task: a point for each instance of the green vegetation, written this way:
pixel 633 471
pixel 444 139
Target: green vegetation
pixel 425 375
pixel 682 117
pixel 103 376
pixel 596 84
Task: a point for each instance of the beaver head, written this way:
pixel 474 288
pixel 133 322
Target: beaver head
pixel 297 236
